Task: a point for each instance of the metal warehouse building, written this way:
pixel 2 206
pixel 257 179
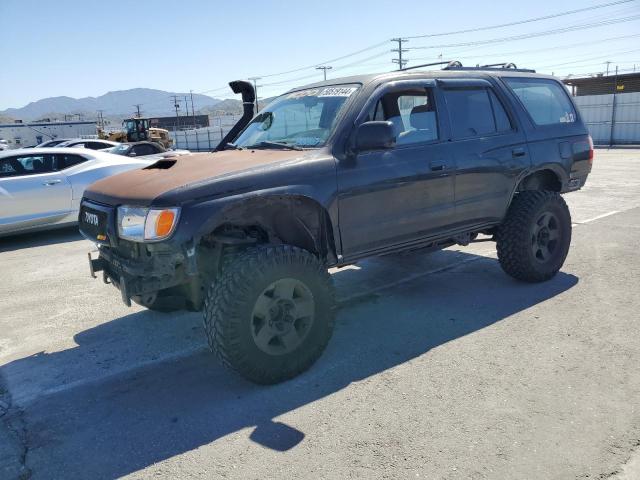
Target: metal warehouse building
pixel 610 106
pixel 20 135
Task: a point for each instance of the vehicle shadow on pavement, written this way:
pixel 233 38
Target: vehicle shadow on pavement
pixel 39 239
pixel 125 423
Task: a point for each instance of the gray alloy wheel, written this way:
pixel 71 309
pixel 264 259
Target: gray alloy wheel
pixel 282 316
pixel 545 234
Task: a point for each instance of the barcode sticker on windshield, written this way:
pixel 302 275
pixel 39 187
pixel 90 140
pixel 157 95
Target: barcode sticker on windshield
pixel 337 91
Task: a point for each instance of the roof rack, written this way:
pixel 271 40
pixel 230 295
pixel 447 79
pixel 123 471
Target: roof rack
pixel 492 66
pixel 456 65
pixel 448 63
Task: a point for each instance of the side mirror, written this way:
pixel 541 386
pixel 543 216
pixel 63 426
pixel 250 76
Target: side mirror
pixel 375 135
pixel 132 154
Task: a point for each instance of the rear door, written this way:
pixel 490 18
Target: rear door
pixel 490 150
pixel 32 191
pixel 558 139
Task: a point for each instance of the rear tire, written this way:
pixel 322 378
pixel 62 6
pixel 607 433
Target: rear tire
pixel 533 241
pixel 269 314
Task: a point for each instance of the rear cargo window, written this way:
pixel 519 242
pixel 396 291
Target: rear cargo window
pixel 546 100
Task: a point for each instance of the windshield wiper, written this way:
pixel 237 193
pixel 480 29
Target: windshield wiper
pixel 232 146
pixel 266 143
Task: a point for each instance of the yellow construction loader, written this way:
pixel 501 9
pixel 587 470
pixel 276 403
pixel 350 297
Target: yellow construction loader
pixel 138 130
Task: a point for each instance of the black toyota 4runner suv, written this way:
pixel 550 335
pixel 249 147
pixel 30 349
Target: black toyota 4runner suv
pixel 329 174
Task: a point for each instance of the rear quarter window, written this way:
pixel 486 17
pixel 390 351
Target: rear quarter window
pixel 546 101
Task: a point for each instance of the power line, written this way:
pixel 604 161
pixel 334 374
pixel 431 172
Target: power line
pixel 521 22
pixel 591 58
pixel 532 35
pixel 348 55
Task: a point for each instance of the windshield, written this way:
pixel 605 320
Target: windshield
pixel 302 119
pixel 118 149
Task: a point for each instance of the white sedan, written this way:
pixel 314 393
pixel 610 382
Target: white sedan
pixel 42 189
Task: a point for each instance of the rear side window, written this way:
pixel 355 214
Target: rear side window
pixel 67 160
pixel 470 112
pixel 546 100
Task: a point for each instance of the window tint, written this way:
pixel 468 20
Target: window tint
pixel 27 165
pixel 144 150
pixel 412 113
pixel 66 161
pixel 378 112
pixel 97 145
pixel 546 100
pixel 10 167
pixel 503 124
pixel 470 112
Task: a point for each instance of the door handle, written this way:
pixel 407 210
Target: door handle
pixel 51 182
pixel 437 166
pixel 518 152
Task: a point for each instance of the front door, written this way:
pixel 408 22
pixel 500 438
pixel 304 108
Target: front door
pixel 397 195
pixel 32 192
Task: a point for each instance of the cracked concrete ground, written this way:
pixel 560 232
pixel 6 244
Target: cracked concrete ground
pixel 440 367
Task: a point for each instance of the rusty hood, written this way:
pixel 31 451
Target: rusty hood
pixel 141 187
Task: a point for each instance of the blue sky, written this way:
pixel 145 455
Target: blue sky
pixel 86 48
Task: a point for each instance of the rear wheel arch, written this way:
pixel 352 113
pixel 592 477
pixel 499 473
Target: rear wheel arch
pixel 542 179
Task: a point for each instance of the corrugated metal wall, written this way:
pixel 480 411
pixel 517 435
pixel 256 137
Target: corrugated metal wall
pixel 607 127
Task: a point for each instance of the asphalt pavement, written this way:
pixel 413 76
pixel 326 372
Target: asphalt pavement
pixel 441 367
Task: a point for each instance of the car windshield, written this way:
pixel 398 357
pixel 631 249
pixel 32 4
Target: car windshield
pixel 118 149
pixel 301 119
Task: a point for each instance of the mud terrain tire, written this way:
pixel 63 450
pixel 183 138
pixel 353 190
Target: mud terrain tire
pixel 269 313
pixel 534 238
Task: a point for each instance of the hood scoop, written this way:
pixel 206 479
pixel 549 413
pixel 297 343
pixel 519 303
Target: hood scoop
pixel 163 164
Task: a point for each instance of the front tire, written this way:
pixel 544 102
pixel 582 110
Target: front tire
pixel 533 241
pixel 269 314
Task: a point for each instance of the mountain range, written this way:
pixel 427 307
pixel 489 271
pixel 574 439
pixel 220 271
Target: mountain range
pixel 120 103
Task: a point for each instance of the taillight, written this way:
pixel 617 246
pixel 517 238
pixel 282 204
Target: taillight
pixel 590 150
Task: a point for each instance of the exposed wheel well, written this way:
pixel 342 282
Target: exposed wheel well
pixel 297 221
pixel 541 180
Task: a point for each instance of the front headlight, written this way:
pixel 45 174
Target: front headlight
pixel 146 224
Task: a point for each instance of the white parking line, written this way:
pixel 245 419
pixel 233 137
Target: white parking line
pixel 613 212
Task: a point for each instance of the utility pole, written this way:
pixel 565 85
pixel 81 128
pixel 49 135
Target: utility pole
pixel 186 106
pixel 255 88
pixel 193 112
pixel 138 105
pixel 613 108
pixel 400 61
pixel 101 119
pixel 324 69
pixel 608 63
pixel 176 106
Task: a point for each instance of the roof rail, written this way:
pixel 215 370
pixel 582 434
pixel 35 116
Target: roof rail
pixel 501 65
pixel 448 63
pixel 492 66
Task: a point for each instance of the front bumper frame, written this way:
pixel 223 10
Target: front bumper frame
pixel 139 276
